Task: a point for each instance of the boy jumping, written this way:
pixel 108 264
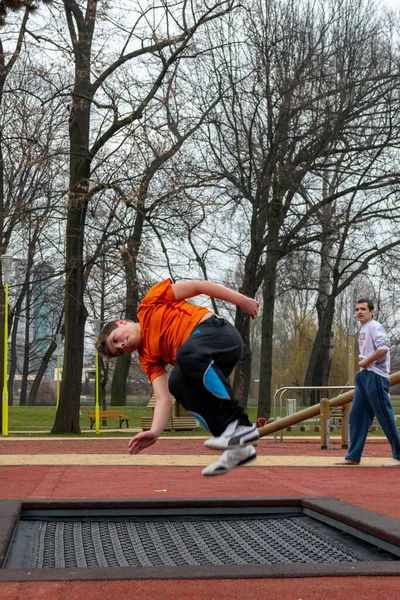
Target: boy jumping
pixel 204 350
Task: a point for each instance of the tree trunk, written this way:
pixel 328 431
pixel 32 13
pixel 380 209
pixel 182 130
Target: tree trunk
pixel 130 258
pixel 118 384
pixel 264 401
pixel 25 363
pixel 40 373
pixel 242 377
pixel 103 368
pixel 67 417
pixel 13 361
pixel 321 353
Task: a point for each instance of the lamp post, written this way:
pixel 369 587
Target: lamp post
pixel 6 261
pixel 58 338
pixel 96 327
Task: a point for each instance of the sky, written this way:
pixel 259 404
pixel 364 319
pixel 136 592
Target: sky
pixel 395 4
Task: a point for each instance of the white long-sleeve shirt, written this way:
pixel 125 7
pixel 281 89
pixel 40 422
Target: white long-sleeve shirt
pixel 372 337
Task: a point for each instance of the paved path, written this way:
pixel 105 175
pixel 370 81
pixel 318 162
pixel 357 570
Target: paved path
pixel 177 452
pixel 179 460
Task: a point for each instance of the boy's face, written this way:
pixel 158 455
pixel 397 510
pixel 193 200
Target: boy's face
pixel 363 313
pixel 124 339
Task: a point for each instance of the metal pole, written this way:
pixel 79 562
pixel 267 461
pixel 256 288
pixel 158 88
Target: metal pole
pixel 325 424
pixel 7 266
pixel 58 342
pixel 5 371
pixel 58 378
pixel 97 324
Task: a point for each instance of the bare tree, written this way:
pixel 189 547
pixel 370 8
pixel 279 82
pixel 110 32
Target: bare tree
pixel 33 172
pixel 305 83
pixel 9 55
pixel 343 259
pixel 164 43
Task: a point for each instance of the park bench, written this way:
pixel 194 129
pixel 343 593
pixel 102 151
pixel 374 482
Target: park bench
pixel 108 414
pixel 178 420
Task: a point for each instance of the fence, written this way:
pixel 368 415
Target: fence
pixel 300 389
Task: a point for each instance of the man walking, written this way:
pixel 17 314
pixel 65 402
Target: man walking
pixel 371 394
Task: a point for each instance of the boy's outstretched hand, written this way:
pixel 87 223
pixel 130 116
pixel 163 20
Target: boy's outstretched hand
pixel 142 440
pixel 249 306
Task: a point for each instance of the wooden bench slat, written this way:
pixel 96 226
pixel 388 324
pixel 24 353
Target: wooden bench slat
pixel 109 414
pixel 147 423
pixel 181 418
pixel 184 423
pixel 152 402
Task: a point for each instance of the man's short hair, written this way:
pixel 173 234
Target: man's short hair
pixel 366 301
pixel 101 342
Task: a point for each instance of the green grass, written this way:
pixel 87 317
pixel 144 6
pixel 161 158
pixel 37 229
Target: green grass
pixel 29 418
pixel 34 420
pixel 39 420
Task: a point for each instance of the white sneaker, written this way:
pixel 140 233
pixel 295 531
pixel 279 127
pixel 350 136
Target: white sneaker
pixel 234 436
pixel 230 460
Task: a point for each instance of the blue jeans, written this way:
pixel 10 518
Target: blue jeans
pixel 371 398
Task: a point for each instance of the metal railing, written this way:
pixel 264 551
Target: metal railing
pixel 281 391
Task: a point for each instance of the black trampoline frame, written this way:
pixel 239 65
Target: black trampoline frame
pixel 364 524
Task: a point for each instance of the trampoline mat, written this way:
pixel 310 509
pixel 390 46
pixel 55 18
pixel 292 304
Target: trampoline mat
pixel 178 541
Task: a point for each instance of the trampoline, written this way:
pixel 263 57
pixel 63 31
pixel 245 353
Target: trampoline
pixel 194 539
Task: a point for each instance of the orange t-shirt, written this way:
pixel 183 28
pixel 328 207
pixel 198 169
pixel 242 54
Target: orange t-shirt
pixel 165 324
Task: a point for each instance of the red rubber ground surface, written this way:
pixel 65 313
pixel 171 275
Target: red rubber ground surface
pixel 376 489
pixel 310 447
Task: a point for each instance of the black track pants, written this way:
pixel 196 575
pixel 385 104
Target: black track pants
pixel 199 380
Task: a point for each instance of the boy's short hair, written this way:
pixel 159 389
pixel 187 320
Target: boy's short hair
pixel 366 301
pixel 101 342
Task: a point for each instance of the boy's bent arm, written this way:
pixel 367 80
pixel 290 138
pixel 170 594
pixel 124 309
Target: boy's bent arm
pixel 163 405
pixel 188 289
pixel 162 411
